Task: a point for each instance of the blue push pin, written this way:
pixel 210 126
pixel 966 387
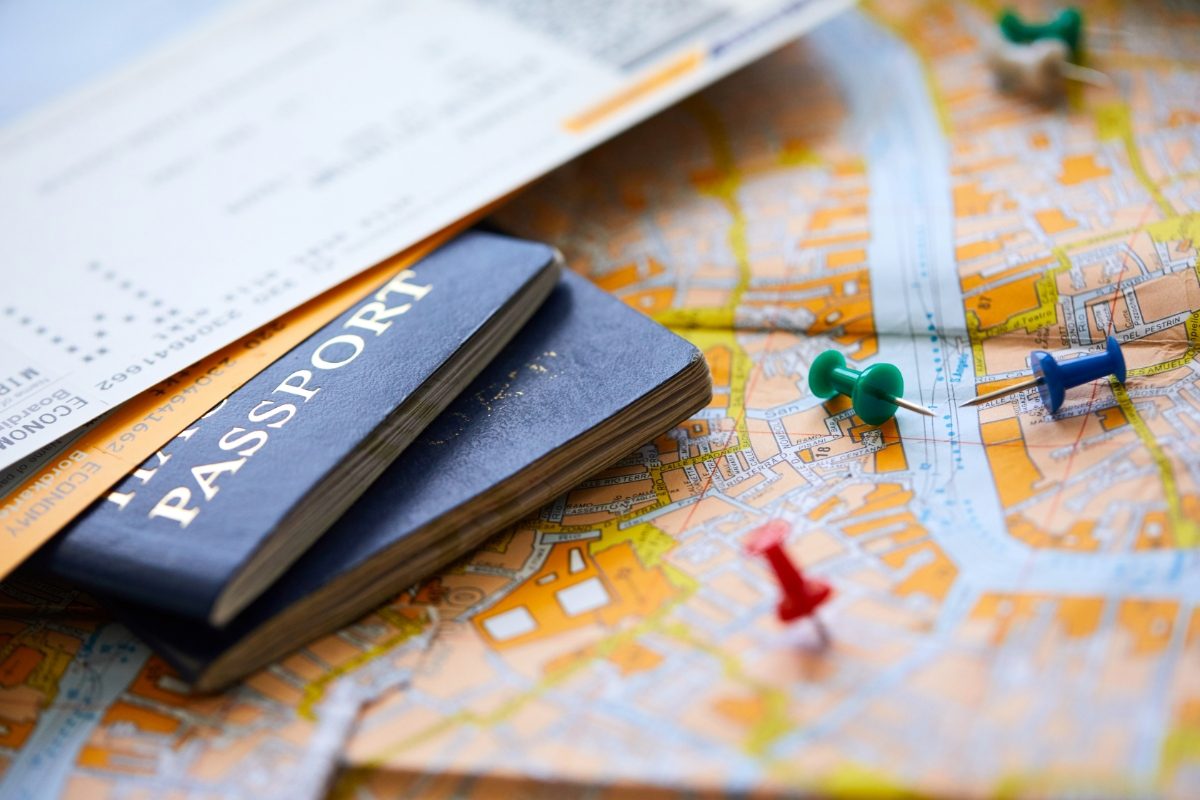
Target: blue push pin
pixel 1053 378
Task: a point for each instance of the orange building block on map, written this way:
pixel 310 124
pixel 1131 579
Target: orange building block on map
pixel 575 589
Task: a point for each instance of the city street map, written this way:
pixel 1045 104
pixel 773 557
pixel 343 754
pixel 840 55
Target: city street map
pixel 1016 602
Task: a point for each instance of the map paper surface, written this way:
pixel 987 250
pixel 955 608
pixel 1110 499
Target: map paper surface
pixel 183 201
pixel 1017 597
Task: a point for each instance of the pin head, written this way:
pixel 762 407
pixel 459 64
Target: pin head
pixel 766 536
pixel 1116 359
pixel 804 602
pixel 820 376
pixel 872 395
pixel 1055 377
pixel 1067 27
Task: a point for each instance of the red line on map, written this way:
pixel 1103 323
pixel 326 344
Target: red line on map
pixel 1137 231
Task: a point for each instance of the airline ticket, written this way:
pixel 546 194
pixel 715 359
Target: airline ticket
pixel 42 493
pixel 162 211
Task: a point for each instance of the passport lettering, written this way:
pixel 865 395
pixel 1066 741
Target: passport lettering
pixel 182 504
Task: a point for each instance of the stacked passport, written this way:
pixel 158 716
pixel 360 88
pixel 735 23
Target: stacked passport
pixel 459 397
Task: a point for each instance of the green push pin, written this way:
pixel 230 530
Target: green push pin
pixel 875 392
pixel 1067 27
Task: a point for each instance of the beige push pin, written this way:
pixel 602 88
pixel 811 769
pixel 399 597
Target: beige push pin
pixel 1036 59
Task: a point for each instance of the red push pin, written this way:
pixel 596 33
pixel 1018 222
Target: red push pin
pixel 801 596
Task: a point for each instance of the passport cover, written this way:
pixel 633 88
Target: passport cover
pixel 179 529
pixel 581 359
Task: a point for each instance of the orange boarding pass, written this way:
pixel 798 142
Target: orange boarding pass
pixel 66 482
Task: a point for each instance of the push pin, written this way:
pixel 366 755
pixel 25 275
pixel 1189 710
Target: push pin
pixel 875 392
pixel 1052 378
pixel 1035 60
pixel 801 596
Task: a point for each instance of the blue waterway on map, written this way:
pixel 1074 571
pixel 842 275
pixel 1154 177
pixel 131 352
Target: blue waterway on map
pixel 914 281
pixel 919 314
pixel 914 287
pixel 104 666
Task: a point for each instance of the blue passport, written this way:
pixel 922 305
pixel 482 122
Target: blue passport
pixel 207 524
pixel 586 382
